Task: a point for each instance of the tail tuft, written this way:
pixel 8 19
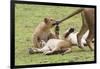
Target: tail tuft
pixel 69 32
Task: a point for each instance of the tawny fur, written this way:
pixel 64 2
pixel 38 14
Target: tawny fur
pixel 55 46
pixel 88 18
pixel 43 32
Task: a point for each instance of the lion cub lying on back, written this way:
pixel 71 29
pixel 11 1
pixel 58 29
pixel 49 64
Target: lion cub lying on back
pixel 43 32
pixel 55 45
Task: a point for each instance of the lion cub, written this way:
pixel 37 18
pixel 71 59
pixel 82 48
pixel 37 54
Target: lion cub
pixel 55 45
pixel 43 32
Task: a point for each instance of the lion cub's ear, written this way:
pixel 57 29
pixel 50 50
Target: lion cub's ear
pixel 46 20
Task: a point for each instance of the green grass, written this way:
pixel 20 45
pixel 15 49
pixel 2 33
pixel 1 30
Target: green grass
pixel 27 17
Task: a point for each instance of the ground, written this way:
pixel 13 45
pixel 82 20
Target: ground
pixel 27 17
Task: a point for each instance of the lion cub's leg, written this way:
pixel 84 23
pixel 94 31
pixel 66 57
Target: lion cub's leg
pixel 51 51
pixel 68 50
pixel 53 35
pixel 35 50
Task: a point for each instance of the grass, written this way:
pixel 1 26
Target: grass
pixel 27 17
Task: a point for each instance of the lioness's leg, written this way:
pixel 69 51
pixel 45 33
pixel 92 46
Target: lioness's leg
pixel 83 30
pixel 89 41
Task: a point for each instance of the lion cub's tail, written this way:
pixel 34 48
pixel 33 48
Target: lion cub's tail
pixel 68 32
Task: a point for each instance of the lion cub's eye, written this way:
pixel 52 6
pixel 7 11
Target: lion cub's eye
pixel 51 19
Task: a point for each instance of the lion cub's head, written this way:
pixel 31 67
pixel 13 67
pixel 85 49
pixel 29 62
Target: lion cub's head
pixel 49 22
